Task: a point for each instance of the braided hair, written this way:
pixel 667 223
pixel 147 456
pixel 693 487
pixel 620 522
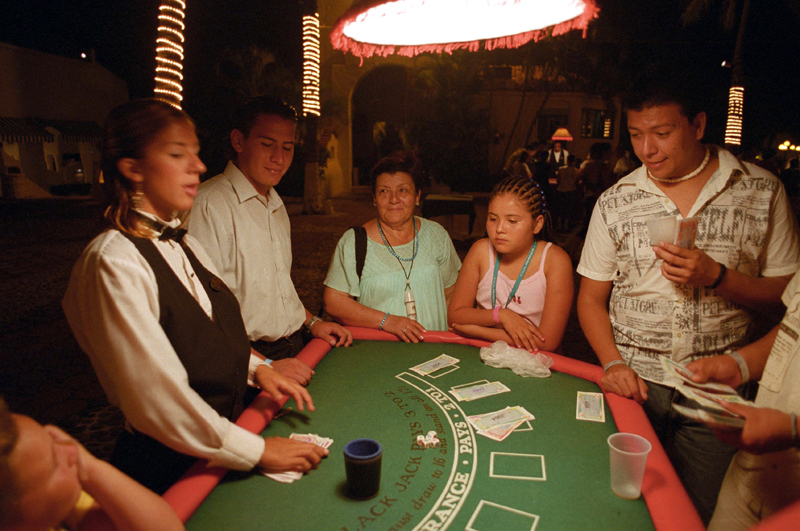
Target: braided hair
pixel 531 196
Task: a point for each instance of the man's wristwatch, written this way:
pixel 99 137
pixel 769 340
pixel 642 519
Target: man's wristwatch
pixel 311 322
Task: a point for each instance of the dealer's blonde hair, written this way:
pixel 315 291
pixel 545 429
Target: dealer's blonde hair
pixel 128 130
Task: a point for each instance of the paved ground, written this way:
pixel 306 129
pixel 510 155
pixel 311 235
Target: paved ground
pixel 43 372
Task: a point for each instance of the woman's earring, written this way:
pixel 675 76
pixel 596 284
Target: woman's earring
pixel 138 196
pixel 417 203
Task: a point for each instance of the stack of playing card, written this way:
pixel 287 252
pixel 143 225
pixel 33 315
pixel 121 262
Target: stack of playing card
pixel 499 424
pixel 680 374
pixel 725 422
pixel 290 476
pixel 590 407
pixel 475 391
pixel 434 365
pixel 707 395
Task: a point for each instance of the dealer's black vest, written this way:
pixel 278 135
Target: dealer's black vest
pixel 215 353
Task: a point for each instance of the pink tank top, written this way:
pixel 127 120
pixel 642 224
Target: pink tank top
pixel 529 299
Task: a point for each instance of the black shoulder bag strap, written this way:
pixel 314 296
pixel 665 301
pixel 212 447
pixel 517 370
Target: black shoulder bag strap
pixel 361 256
pixel 361 249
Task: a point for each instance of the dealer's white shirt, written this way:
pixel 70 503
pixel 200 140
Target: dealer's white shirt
pixel 112 306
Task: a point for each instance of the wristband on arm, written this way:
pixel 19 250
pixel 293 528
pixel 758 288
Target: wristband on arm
pixel 612 363
pixel 740 362
pixel 383 321
pixel 496 314
pixel 722 272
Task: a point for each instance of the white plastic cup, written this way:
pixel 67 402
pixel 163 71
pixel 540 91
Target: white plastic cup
pixel 628 458
pixel 662 229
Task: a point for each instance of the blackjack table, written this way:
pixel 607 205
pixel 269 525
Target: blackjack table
pixel 550 473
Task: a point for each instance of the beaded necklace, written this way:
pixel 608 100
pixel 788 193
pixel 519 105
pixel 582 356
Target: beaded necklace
pixel 408 296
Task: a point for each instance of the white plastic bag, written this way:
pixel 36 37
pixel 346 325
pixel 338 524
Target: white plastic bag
pixel 522 362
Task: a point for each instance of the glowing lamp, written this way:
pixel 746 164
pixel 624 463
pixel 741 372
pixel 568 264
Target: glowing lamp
pixel 562 134
pixel 410 27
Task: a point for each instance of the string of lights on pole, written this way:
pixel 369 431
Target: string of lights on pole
pixel 311 55
pixel 733 129
pixel 169 52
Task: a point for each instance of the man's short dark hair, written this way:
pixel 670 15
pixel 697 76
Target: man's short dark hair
pixel 247 115
pixel 663 84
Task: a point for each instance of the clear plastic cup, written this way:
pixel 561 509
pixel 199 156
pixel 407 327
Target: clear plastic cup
pixel 628 458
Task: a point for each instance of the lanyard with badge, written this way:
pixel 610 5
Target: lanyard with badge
pixel 519 277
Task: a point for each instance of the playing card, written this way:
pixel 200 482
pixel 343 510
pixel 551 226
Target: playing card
pixel 434 365
pixel 291 476
pixel 685 232
pixel 590 407
pixel 498 433
pixel 508 415
pixel 313 438
pixel 725 422
pixel 682 374
pixel 475 392
pixel 709 400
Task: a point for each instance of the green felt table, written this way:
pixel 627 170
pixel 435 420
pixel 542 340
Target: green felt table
pixel 551 473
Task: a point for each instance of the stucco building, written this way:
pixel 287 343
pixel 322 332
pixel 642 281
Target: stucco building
pixel 51 111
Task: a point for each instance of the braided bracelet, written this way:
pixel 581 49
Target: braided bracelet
pixel 383 321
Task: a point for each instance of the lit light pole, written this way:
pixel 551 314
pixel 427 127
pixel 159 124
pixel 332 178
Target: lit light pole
pixel 169 52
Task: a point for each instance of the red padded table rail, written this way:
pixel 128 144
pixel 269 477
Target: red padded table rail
pixel 669 506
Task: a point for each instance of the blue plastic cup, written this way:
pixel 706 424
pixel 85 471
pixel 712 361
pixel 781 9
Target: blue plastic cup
pixel 362 464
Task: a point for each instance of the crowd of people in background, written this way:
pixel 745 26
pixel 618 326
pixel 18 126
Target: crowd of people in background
pixel 571 184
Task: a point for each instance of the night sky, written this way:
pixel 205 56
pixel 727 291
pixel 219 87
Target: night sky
pixel 122 33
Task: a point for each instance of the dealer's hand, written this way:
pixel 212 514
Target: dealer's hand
pixel 277 385
pixel 623 381
pixel 294 369
pixel 404 328
pixel 281 454
pixel 522 332
pixel 765 430
pixel 332 333
pixel 722 369
pixel 687 266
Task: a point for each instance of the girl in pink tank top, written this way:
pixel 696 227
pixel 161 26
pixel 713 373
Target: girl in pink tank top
pixel 515 285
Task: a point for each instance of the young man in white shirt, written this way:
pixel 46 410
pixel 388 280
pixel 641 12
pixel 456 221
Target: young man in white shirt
pixel 640 299
pixel 243 225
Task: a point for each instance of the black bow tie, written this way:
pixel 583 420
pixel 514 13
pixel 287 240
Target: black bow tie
pixel 165 232
pixel 170 233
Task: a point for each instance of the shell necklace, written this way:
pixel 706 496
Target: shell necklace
pixel 695 173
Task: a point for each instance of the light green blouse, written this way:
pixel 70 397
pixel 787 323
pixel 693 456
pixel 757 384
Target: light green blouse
pixel 383 281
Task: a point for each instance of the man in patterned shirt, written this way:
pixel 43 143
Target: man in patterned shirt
pixel 641 299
